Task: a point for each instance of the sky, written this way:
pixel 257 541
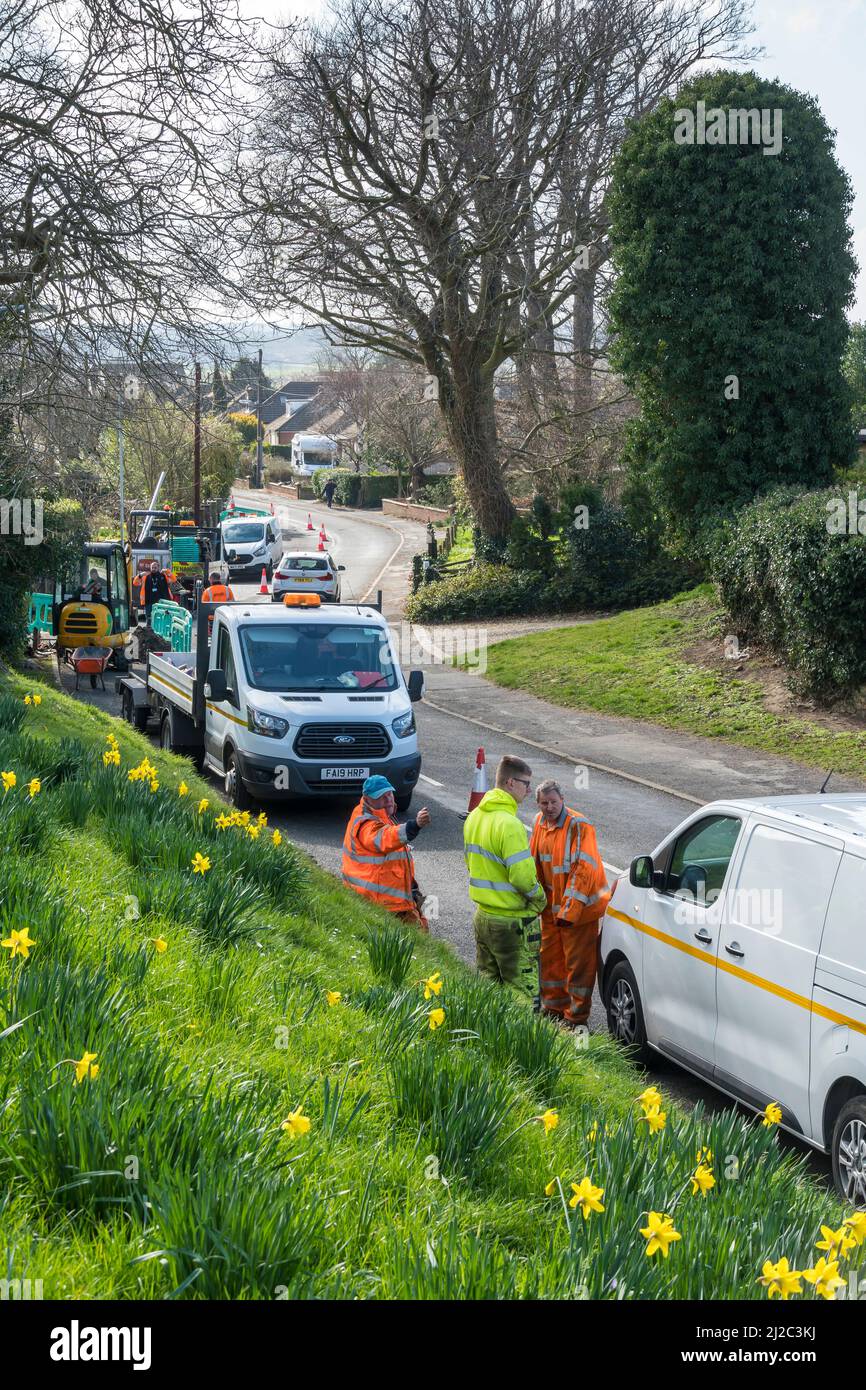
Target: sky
pixel 817 46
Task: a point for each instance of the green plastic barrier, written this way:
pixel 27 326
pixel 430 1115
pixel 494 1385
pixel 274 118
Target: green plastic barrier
pixel 39 615
pixel 184 550
pixel 173 623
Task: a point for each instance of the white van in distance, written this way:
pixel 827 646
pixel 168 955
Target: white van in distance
pixel 738 949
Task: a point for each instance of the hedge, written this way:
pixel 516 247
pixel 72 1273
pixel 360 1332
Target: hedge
pixel 357 489
pixel 797 587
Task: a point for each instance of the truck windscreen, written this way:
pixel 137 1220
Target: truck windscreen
pixel 314 656
pixel 243 532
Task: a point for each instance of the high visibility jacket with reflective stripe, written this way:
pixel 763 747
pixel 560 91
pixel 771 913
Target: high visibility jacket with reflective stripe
pixel 217 593
pixel 502 877
pixel 570 867
pixel 377 861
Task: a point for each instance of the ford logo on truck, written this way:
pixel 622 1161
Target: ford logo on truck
pixel 344 738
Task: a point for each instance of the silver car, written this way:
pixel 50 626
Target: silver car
pixel 307 572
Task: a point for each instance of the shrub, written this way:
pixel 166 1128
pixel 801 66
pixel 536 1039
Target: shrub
pixel 797 587
pixel 357 489
pixel 486 591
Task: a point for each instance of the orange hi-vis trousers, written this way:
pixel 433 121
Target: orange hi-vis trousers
pixel 569 959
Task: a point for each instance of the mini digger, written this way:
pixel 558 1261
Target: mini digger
pixel 91 611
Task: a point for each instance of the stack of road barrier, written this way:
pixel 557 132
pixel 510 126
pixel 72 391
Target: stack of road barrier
pixel 39 617
pixel 173 623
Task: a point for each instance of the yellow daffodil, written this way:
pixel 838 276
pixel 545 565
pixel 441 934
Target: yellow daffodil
pixel 551 1188
pixel 432 985
pixel 592 1133
pixel 183 789
pixel 780 1280
pixel 654 1117
pixel 333 997
pixel 772 1115
pixel 243 817
pixel 436 1018
pixel 203 805
pixel 33 699
pixel 154 785
pixel 37 699
pixel 222 822
pixel 8 779
pixel 34 786
pixel 85 1069
pixel 111 758
pixel 659 1233
pixel 550 1119
pixel 276 839
pixel 704 1155
pixel 836 1243
pixel 263 820
pixel 19 943
pixel 296 1124
pixel 856 1226
pixel 702 1180
pixel 650 1099
pixel 587 1197
pixel 825 1278
pixel 160 944
pixel 252 831
pixel 200 863
pixel 28 699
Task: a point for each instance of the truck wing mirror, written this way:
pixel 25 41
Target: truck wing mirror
pixel 216 687
pixel 640 873
pixel 415 685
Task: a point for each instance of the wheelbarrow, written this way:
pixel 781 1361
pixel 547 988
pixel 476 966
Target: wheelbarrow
pixel 90 661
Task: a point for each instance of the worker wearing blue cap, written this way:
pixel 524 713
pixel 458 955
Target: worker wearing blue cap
pixel 377 860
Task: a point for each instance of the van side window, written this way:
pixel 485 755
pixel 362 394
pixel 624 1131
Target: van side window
pixel 700 859
pixel 225 662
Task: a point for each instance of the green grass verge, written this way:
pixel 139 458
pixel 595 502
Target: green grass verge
pixel 422 1172
pixel 632 665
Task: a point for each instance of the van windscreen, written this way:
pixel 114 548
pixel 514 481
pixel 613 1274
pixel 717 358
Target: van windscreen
pixel 314 656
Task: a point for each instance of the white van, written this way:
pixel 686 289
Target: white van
pixel 251 543
pixel 738 949
pixel 285 701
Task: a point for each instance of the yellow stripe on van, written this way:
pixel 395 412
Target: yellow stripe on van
pixel 810 1005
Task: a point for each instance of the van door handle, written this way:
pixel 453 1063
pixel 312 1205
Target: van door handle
pixel 734 949
pixel 704 937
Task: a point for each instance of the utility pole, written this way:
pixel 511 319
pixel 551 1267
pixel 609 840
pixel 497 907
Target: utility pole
pixel 196 450
pixel 129 391
pixel 260 468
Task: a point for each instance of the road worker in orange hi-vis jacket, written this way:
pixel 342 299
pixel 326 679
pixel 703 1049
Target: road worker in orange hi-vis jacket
pixel 569 867
pixel 377 860
pixel 217 591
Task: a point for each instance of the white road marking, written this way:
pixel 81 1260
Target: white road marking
pixel 612 869
pixel 432 780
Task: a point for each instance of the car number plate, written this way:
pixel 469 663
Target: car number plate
pixel 344 774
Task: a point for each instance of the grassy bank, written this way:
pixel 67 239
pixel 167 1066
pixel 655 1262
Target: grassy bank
pixel 633 665
pixel 226 1084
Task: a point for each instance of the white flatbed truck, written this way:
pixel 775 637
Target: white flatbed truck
pixel 285 701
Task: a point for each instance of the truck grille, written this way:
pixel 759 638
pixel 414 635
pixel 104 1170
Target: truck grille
pixel 320 741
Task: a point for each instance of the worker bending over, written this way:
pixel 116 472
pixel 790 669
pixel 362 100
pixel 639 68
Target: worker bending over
pixel 377 860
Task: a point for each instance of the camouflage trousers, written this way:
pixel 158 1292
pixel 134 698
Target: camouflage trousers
pixel 506 950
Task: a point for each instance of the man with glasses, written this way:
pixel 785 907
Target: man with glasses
pixel 503 883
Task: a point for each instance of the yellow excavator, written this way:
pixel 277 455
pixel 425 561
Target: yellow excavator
pixel 91 610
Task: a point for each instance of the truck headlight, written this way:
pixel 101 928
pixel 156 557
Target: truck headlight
pixel 270 725
pixel 404 724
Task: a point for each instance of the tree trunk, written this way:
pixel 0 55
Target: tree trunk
pixel 468 409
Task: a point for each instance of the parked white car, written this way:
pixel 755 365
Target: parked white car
pixel 737 948
pixel 251 543
pixel 307 572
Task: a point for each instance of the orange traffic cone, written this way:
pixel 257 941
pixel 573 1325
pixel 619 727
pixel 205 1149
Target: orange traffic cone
pixel 323 535
pixel 310 526
pixel 321 544
pixel 231 504
pixel 263 587
pixel 272 509
pixel 479 784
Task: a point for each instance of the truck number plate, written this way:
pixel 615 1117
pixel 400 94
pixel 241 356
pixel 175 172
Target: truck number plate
pixel 345 774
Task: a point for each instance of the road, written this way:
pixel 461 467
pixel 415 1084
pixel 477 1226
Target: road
pixel 629 818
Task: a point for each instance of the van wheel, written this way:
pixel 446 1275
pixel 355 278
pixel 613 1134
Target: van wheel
pixel 127 707
pixel 235 789
pixel 625 1013
pixel 165 739
pixel 848 1152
